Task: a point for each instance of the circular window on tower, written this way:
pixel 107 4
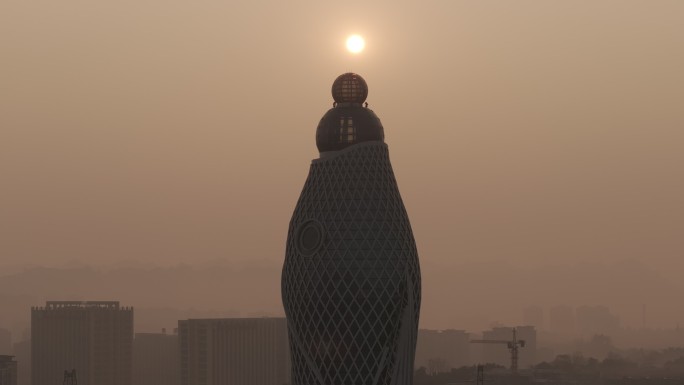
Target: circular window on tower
pixel 309 237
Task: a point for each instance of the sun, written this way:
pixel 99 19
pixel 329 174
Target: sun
pixel 355 44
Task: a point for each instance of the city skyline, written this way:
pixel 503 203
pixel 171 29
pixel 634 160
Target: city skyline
pixel 225 350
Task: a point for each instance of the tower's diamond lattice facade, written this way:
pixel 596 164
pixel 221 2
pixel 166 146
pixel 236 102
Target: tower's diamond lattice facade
pixel 351 279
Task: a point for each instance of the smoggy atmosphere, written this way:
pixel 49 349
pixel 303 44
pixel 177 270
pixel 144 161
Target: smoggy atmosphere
pixel 153 152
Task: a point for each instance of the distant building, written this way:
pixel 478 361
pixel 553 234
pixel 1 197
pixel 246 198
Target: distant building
pixel 534 316
pixel 8 370
pixel 95 338
pixel 495 353
pixel 562 320
pixel 22 354
pixel 156 359
pixel 439 351
pixel 231 351
pixel 596 320
pixel 5 342
pixel 528 354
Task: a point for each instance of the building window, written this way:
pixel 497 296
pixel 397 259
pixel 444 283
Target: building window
pixel 347 130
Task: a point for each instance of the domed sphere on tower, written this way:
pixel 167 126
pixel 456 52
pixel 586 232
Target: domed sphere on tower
pixel 348 122
pixel 349 88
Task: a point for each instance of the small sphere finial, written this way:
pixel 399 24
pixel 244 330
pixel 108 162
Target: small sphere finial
pixel 349 88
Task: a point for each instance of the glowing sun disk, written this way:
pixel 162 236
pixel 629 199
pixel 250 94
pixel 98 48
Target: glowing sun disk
pixel 355 44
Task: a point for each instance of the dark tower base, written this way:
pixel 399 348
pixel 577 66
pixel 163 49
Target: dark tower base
pixel 351 279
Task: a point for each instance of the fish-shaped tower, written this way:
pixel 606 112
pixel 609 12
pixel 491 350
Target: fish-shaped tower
pixel 351 278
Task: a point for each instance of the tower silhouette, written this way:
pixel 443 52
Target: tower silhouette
pixel 351 278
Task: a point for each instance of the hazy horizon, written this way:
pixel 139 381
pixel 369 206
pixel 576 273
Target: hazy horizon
pixel 526 133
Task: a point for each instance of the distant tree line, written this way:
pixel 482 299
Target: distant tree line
pixel 628 367
pixel 463 374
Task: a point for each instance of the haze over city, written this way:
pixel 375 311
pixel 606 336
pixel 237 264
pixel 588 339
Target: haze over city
pixel 538 146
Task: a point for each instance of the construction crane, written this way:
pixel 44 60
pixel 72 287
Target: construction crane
pixel 513 346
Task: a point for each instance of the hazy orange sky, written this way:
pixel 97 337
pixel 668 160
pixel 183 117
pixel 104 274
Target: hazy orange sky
pixel 532 132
